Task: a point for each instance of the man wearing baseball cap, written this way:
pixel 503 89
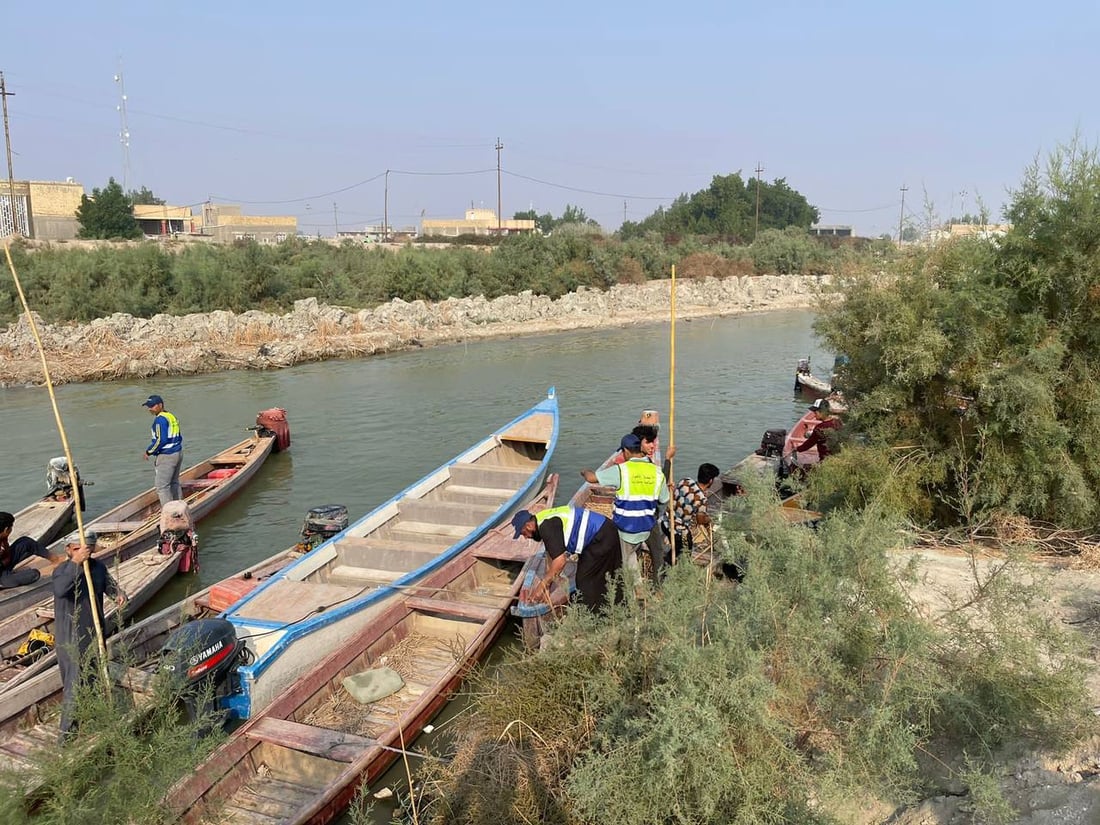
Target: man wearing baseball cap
pixel 572 532
pixel 166 450
pixel 640 490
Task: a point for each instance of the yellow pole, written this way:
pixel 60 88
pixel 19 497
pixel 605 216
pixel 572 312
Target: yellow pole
pixel 672 400
pixel 72 465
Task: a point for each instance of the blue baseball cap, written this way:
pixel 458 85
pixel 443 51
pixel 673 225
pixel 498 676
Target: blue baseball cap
pixel 519 520
pixel 152 401
pixel 631 442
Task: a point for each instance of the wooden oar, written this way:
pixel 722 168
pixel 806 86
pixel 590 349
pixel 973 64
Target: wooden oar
pixel 672 398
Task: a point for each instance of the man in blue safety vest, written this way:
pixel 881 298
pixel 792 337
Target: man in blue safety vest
pixel 572 532
pixel 166 450
pixel 640 491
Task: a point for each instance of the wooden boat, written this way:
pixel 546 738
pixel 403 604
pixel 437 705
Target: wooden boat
pixel 28 720
pixel 46 518
pixel 131 526
pixel 308 610
pixel 303 757
pixel 806 383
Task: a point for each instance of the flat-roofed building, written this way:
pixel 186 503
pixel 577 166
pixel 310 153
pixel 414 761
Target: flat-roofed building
pixel 226 224
pixel 157 220
pixel 831 230
pixel 45 210
pixel 476 222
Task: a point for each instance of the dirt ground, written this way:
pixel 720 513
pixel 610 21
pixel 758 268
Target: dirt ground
pixel 1044 788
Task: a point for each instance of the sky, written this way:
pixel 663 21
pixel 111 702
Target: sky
pixel 618 108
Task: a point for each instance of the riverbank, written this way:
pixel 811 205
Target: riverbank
pixel 123 346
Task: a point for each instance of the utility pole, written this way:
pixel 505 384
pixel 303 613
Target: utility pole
pixel 386 210
pixel 901 217
pixel 4 93
pixel 499 146
pixel 756 228
pixel 624 212
pixel 124 132
pixel 335 221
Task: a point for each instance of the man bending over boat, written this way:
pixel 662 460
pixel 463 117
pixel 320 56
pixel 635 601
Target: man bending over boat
pixel 572 532
pixel 826 425
pixel 12 554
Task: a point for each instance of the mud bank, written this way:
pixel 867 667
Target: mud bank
pixel 122 346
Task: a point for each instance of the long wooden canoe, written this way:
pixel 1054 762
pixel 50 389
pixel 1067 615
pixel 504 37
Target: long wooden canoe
pixel 46 518
pixel 302 759
pixel 306 611
pixel 129 528
pixel 140 571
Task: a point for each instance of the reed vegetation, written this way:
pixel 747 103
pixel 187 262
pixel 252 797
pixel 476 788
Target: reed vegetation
pixel 818 680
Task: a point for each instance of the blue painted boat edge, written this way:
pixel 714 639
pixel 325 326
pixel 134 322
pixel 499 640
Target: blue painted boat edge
pixel 548 404
pixel 240 704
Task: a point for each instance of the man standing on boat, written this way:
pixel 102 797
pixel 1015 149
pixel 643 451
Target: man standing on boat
pixel 640 491
pixel 572 531
pixel 11 554
pixel 74 627
pixel 166 449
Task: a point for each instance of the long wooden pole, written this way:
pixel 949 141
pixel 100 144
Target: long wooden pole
pixel 672 399
pixel 72 466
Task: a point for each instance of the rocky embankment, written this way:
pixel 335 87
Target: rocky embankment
pixel 122 346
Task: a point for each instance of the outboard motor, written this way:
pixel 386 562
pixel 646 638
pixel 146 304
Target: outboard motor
pixel 199 657
pixel 771 444
pixel 321 524
pixel 60 483
pixel 273 422
pixel 803 365
pixel 177 534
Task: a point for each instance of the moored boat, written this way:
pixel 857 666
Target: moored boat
pixel 806 383
pixel 129 528
pixel 302 758
pixel 309 609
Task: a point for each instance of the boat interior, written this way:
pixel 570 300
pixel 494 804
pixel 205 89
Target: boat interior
pixel 295 752
pixel 410 531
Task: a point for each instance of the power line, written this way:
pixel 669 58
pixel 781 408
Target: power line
pixel 588 191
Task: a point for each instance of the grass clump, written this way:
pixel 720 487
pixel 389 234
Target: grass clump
pixel 819 679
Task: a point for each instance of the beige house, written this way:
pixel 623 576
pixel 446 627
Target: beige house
pixel 226 224
pixel 157 220
pixel 476 222
pixel 45 210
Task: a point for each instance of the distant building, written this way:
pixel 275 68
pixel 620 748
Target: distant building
pixel 969 230
pixel 157 220
pixel 45 210
pixel 476 222
pixel 831 230
pixel 376 233
pixel 226 224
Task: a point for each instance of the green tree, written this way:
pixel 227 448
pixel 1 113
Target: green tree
pixel 145 197
pixel 980 361
pixel 108 213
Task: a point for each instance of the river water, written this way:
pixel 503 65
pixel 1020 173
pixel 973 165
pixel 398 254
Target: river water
pixel 364 429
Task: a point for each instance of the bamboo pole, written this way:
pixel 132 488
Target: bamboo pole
pixel 72 466
pixel 672 399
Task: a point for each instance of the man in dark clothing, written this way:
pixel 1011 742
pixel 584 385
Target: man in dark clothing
pixel 74 626
pixel 11 554
pixel 572 531
pixel 826 425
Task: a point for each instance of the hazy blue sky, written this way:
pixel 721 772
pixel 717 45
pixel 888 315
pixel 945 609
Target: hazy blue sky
pixel 289 108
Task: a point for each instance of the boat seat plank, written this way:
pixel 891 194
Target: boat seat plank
pixel 446 512
pixel 534 428
pixel 287 600
pixel 131 678
pixel 381 544
pixel 356 573
pixel 465 610
pixel 456 531
pixel 100 527
pixel 328 744
pixel 478 491
pixel 505 549
pixel 489 475
pixel 200 483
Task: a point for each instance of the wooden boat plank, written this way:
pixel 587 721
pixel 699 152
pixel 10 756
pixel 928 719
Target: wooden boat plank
pixel 445 512
pixel 377 544
pixel 454 531
pixel 466 610
pixel 531 429
pixel 328 744
pixel 233 815
pixel 287 600
pixel 43 519
pixel 272 796
pixel 487 475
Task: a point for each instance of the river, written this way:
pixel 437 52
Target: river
pixel 364 429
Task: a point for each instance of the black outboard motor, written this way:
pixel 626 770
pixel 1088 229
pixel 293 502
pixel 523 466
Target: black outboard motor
pixel 771 444
pixel 322 523
pixel 61 484
pixel 200 656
